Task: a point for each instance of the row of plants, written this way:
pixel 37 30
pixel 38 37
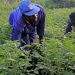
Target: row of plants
pixel 56 56
pixel 52 58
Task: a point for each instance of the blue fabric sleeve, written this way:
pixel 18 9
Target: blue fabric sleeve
pixel 41 24
pixel 29 29
pixel 68 28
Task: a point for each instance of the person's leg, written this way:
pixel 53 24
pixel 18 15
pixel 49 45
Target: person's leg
pixel 31 41
pixel 26 40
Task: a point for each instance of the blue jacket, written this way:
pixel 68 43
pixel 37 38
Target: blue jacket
pixel 21 27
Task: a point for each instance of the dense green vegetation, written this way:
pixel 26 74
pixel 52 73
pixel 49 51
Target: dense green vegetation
pixel 56 56
pixel 51 3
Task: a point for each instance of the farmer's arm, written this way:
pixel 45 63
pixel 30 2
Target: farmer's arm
pixel 41 25
pixel 41 31
pixel 68 28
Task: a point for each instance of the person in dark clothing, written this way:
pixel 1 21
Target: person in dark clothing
pixel 71 23
pixel 27 19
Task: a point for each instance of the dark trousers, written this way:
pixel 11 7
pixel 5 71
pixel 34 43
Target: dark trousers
pixel 24 37
pixel 27 41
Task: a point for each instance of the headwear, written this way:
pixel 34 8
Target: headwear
pixel 72 16
pixel 28 8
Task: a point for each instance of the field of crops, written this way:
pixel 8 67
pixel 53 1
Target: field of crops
pixel 56 56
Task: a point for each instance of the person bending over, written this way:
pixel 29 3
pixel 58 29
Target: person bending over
pixel 27 19
pixel 71 23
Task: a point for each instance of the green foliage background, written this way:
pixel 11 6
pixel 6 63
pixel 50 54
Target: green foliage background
pixel 56 56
